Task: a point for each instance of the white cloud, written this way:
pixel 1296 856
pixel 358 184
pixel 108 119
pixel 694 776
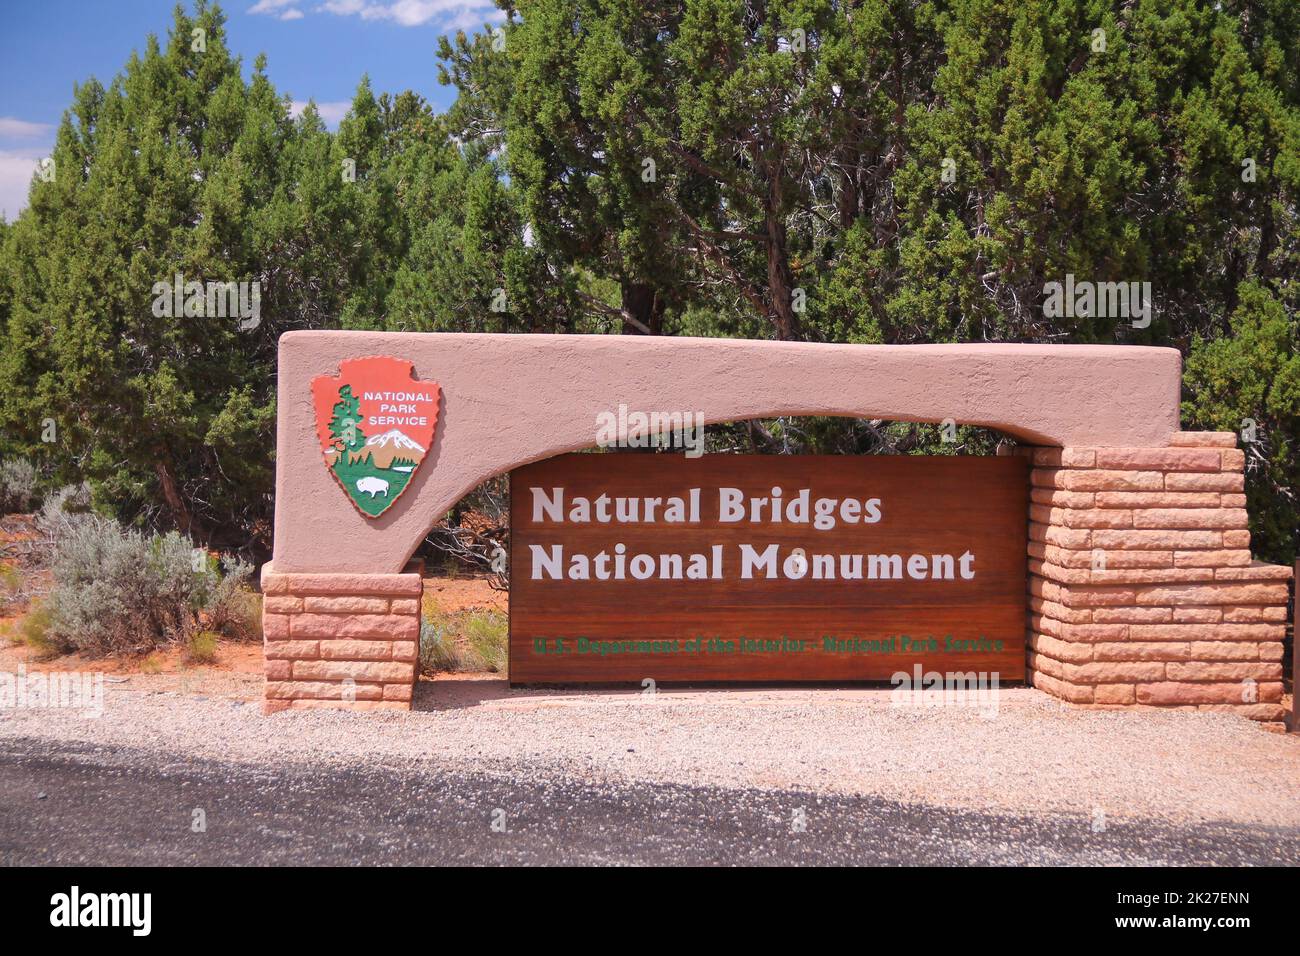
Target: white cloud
pixel 271 6
pixel 13 128
pixel 445 14
pixel 331 112
pixel 17 166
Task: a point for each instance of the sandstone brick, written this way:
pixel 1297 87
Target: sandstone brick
pixel 1109 480
pixel 1232 501
pixel 1255 572
pixel 1204 632
pixel 1270 691
pixel 276 669
pixel 1098 596
pixel 1064 575
pixel 398 691
pixel 1226 650
pixel 1043 664
pixel 1058 498
pixel 1059 537
pixel 1063 457
pixel 1081 517
pixel 1203 439
pixel 1115 672
pixel 1224 481
pixel 1093 633
pixel 1074 693
pixel 292 650
pixel 1157 499
pixel 405 650
pixel 1156 540
pixel 1060 612
pixel 1197 615
pixel 345 605
pixel 388 627
pixel 1115 694
pixel 1255 614
pixel 1190 518
pixel 1112 558
pixel 1142 651
pixel 339 585
pixel 378 672
pixel 1233 459
pixel 1160 459
pixel 1236 539
pixel 1132 615
pixel 281 603
pixel 1212 558
pixel 1221 671
pixel 321 690
pixel 1070 652
pixel 1269 650
pixel 405 606
pixel 1151 575
pixel 1261 712
pixel 275 627
pixel 1218 593
pixel 1179 692
pixel 274 706
pixel 356 650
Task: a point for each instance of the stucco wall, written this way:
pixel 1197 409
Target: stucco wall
pixel 512 399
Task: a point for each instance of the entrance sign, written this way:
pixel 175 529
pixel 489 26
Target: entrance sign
pixel 753 567
pixel 375 424
pixel 1142 589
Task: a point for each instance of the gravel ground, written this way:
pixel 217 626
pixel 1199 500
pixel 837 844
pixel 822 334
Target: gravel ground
pixel 1035 760
pixel 120 806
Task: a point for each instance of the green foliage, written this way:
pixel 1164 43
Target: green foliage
pixel 33 630
pixel 201 648
pixel 118 591
pixel 470 640
pixel 1249 382
pixel 877 171
pixel 18 486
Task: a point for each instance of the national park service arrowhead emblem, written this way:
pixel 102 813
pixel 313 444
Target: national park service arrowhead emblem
pixel 375 424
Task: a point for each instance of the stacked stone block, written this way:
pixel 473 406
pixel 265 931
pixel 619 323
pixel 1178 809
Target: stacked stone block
pixel 1142 586
pixel 340 640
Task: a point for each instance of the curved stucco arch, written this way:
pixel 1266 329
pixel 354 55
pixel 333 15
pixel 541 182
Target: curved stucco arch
pixel 508 400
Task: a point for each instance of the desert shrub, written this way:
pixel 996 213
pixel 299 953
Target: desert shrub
pixel 202 647
pixel 17 485
pixel 488 633
pixel 121 591
pixel 63 511
pixel 439 652
pixel 453 642
pixel 34 630
pixel 11 586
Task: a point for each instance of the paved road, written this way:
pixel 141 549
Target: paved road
pixel 118 806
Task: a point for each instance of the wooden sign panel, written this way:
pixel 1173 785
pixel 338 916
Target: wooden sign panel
pixel 766 568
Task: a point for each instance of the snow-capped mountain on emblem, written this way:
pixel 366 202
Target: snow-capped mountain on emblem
pixel 375 423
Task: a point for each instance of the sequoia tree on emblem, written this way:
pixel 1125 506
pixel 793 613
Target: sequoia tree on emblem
pixel 375 423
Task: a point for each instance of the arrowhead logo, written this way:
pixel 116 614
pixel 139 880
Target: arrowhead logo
pixel 375 423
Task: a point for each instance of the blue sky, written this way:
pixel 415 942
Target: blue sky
pixel 316 49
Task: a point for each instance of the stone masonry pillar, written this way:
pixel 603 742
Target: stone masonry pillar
pixel 1142 587
pixel 340 640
